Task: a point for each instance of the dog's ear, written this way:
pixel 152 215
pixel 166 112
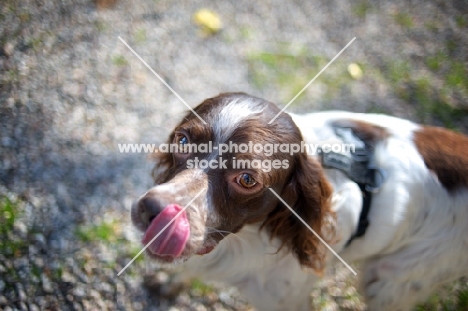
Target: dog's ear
pixel 309 194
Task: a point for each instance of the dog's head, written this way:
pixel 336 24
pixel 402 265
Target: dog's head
pixel 221 173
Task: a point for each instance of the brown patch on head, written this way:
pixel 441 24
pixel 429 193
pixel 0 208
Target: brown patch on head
pixel 369 133
pixel 446 154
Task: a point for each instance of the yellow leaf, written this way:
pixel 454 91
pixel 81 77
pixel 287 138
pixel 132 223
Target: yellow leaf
pixel 208 20
pixel 355 71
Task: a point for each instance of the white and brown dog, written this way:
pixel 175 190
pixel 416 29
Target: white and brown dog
pixel 415 232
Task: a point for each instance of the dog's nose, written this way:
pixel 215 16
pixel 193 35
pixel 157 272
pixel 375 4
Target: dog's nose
pixel 149 207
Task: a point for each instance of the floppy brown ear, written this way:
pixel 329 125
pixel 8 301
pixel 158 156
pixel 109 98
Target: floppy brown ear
pixel 309 194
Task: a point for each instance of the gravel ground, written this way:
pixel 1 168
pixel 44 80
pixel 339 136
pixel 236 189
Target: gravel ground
pixel 70 91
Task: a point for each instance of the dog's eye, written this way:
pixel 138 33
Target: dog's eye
pixel 181 140
pixel 246 180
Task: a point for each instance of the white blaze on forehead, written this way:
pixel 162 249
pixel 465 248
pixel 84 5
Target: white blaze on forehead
pixel 232 115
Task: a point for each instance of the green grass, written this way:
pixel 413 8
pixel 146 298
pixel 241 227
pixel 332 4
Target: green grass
pixel 133 251
pixel 9 212
pixel 201 287
pixel 246 32
pixel 463 299
pixel 101 26
pixel 435 62
pixel 404 19
pixel 461 21
pixel 398 72
pixel 454 76
pixel 361 9
pixel 140 36
pixel 24 16
pixel 451 45
pixel 432 95
pixel 432 25
pixel 435 86
pixel 10 248
pixel 290 68
pixel 109 233
pixel 105 232
pixel 457 75
pixel 430 104
pixel 57 273
pixel 454 298
pixel 10 76
pixel 36 271
pixel 119 60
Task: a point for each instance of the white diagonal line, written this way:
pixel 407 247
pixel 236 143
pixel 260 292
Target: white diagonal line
pixel 156 236
pixel 315 233
pixel 313 79
pixel 161 79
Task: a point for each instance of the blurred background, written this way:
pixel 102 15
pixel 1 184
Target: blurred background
pixel 70 91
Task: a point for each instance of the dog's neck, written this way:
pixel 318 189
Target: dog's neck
pixel 347 204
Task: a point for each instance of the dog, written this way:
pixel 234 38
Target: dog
pixel 397 204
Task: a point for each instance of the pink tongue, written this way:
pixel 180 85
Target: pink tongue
pixel 170 242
